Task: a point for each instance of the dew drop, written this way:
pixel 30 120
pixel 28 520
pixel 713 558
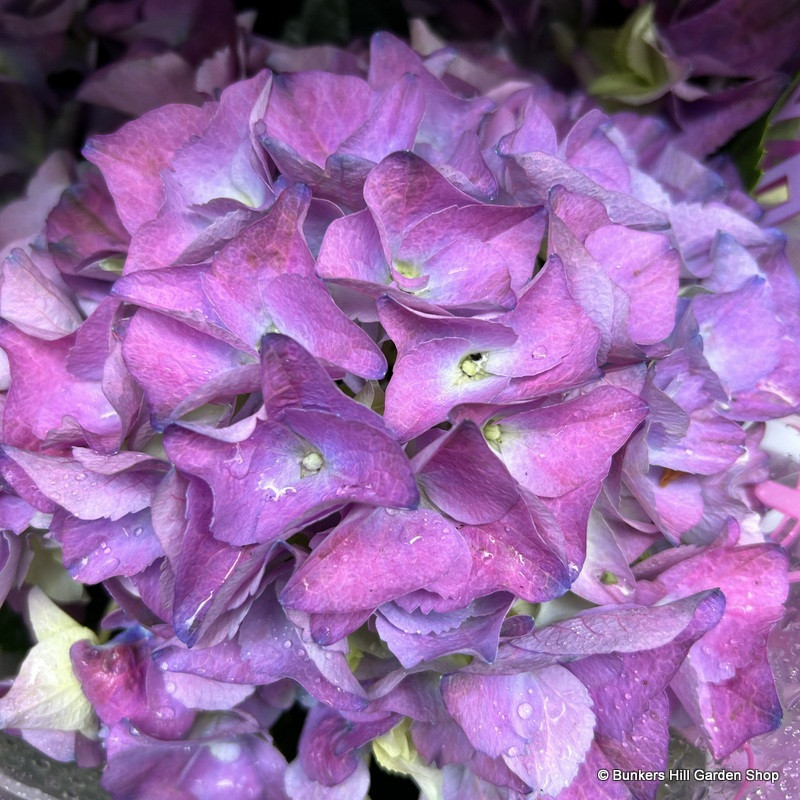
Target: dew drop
pixel 524 710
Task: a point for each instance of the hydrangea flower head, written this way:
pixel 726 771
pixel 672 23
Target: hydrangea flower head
pixel 416 393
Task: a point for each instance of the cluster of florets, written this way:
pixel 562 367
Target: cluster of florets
pixel 410 389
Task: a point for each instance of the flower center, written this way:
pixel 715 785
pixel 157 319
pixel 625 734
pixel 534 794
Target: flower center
pixel 407 269
pixel 491 430
pixel 473 365
pixel 311 463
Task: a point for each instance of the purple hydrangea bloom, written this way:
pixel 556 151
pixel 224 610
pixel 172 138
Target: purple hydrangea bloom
pixel 435 406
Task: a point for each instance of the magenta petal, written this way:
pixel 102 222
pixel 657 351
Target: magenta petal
pixel 180 368
pixel 177 292
pixel 675 505
pixel 419 550
pixel 540 723
pixel 553 450
pixel 571 511
pixel 303 309
pixel 293 378
pixel 646 267
pixel 272 245
pixel 263 491
pixel 709 445
pixel 460 476
pixel 557 342
pixel 534 132
pixel 725 684
pixel 86 494
pixel 99 549
pixel 463 256
pixel 452 238
pixel 604 555
pixel 746 704
pixel 309 115
pixel 518 553
pixel 37 304
pixel 185 236
pixel 392 124
pixel 587 786
pixel 329 628
pixel 404 189
pixel 352 249
pixel 299 786
pixel 79 411
pixel 630 703
pixel 131 159
pixel 319 745
pixel 737 348
pixel 607 304
pixel 84 228
pixel 696 226
pixel 15 513
pixel 535 174
pixel 262 657
pixel 122 682
pixel 144 767
pixel 477 635
pixel 623 629
pixel 219 162
pixel 263 638
pixel 358 453
pixel 588 148
pixel 94 341
pixel 214 582
pixel 12 552
pixel 428 379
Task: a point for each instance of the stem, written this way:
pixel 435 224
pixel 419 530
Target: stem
pixel 791 537
pixel 781 530
pixel 751 762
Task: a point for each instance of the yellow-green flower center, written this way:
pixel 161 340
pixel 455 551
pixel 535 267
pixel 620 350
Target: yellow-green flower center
pixel 473 365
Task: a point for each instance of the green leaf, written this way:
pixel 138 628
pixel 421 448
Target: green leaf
pixel 746 150
pixel 395 752
pixel 46 695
